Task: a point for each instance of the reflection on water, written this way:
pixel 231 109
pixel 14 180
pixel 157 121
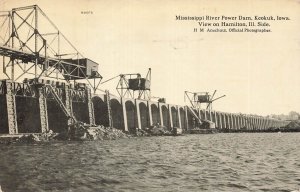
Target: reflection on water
pixel 219 162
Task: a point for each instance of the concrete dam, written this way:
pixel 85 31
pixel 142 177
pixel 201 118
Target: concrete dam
pixel 32 108
pixel 37 104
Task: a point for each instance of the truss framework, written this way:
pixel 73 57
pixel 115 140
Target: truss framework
pixel 30 43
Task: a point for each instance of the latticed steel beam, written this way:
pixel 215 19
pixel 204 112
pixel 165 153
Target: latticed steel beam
pixel 51 54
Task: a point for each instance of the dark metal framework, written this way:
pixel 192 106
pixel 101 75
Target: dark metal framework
pixel 193 98
pixel 30 43
pixel 125 89
pixel 18 89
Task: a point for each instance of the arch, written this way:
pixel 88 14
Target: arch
pixel 80 111
pixel 165 115
pixel 202 114
pixel 223 120
pixel 208 115
pixel 182 118
pixel 28 115
pixel 100 111
pixel 144 115
pixel 191 121
pixel 155 114
pixel 3 115
pixel 213 117
pixel 131 117
pixel 227 121
pixel 218 120
pixel 117 114
pixel 57 120
pixel 174 114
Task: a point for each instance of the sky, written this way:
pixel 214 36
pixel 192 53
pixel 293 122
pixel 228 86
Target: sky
pixel 258 73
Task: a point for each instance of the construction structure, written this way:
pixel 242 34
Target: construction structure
pixel 47 84
pixel 198 98
pixel 131 83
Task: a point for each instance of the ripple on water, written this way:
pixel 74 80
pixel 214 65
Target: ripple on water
pixel 220 162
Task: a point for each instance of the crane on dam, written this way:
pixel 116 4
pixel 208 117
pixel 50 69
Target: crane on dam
pixel 131 83
pixel 198 98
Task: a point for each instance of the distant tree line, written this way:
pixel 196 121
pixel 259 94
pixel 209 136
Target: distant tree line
pixel 293 115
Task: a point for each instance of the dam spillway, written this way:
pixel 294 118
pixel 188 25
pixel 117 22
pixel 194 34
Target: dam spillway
pixel 31 108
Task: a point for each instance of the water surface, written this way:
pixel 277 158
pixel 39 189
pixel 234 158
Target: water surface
pixel 217 162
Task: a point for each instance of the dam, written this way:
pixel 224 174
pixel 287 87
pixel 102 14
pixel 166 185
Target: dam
pixel 39 104
pixel 32 108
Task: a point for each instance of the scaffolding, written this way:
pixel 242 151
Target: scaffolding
pixel 31 44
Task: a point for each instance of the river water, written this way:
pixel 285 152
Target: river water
pixel 216 162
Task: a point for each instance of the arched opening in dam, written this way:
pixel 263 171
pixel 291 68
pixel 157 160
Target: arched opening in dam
pixel 219 121
pixel 223 120
pixel 3 115
pixel 191 120
pixel 165 115
pixel 202 114
pixel 100 111
pixel 155 114
pixel 227 120
pixel 117 114
pixel 208 117
pixel 28 115
pixel 131 117
pixel 80 111
pixel 174 116
pixel 144 115
pixel 182 118
pixel 57 120
pixel 213 117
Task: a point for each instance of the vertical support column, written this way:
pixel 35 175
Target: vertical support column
pixel 199 113
pixel 124 114
pixel 160 115
pixel 170 116
pixel 179 117
pixel 234 122
pixel 238 121
pixel 11 108
pixel 216 120
pixel 219 116
pixel 13 32
pixel 90 106
pixel 186 118
pixel 231 120
pixel 138 114
pixel 261 123
pixel 68 102
pixel 36 41
pixel 224 120
pixel 256 123
pixel 205 116
pixel 247 123
pixel 150 114
pixel 43 110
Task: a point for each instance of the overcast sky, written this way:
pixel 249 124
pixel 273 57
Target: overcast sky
pixel 259 73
